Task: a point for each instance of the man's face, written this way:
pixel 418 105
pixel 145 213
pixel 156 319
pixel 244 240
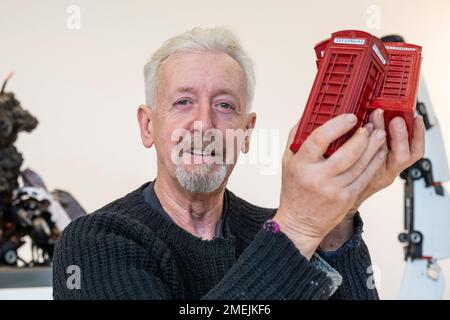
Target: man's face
pixel 200 96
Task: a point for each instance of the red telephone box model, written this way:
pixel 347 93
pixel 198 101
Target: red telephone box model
pixel 398 93
pixel 355 76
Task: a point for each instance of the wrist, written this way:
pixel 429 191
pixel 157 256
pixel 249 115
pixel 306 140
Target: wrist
pixel 338 235
pixel 305 242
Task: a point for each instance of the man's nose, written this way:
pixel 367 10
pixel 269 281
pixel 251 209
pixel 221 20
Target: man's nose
pixel 204 116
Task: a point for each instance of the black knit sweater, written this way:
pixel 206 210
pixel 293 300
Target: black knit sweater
pixel 127 250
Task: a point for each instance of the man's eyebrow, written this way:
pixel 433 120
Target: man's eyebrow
pixel 185 89
pixel 226 91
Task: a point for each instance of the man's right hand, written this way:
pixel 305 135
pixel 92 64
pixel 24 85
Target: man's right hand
pixel 317 193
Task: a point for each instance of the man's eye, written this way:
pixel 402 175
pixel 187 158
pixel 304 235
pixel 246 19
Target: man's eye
pixel 182 102
pixel 226 106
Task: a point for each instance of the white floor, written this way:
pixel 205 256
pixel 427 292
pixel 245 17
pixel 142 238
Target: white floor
pixel 37 293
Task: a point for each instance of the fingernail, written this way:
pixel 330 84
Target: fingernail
pixel 369 127
pixel 351 118
pixel 380 134
pixel 380 112
pixel 399 124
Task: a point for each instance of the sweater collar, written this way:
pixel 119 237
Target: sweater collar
pixel 152 199
pixel 169 231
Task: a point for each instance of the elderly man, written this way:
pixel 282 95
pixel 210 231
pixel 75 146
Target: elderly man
pixel 185 236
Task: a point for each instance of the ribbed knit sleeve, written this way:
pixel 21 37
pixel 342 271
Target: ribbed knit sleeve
pixel 272 268
pixel 353 262
pixel 119 259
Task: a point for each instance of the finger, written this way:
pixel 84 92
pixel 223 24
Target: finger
pixel 399 156
pixel 418 139
pixel 377 118
pixel 376 141
pixel 369 127
pixel 348 154
pixel 357 186
pixel 320 139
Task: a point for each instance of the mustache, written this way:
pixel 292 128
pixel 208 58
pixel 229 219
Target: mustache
pixel 206 146
pixel 210 149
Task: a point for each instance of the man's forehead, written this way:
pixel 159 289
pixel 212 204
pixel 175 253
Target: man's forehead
pixel 185 72
pixel 180 58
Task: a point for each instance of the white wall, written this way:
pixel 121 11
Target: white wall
pixel 84 86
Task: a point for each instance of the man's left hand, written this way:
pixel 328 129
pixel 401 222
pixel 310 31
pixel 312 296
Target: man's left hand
pixel 401 155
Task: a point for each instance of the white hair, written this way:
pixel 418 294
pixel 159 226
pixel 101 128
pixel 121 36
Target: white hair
pixel 202 179
pixel 213 40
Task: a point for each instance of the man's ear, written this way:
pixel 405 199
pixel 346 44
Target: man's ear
pixel 145 119
pixel 250 125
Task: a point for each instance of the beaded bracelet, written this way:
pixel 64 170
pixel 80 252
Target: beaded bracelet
pixel 272 226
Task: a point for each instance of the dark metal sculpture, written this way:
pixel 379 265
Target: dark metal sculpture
pixel 26 211
pixel 13 119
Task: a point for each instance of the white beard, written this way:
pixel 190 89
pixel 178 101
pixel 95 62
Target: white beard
pixel 201 179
